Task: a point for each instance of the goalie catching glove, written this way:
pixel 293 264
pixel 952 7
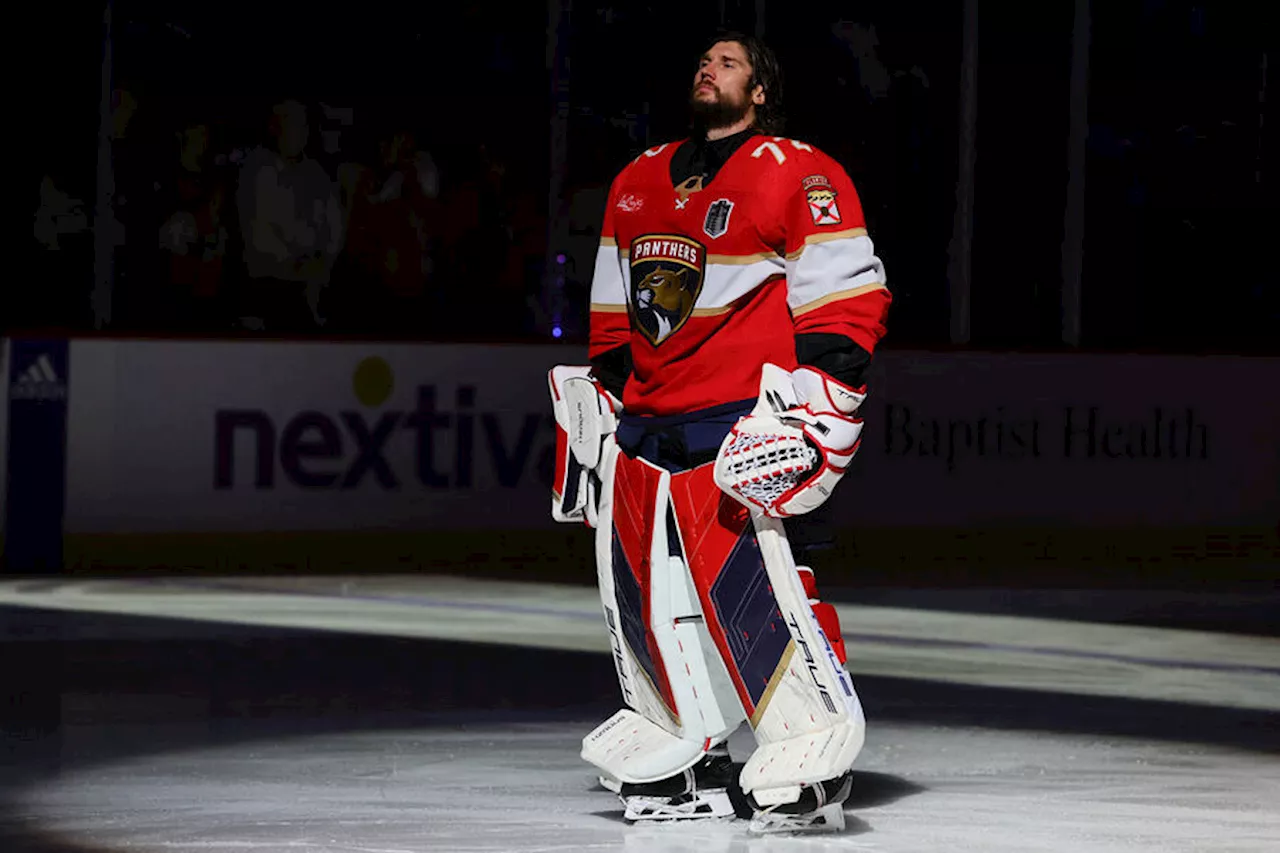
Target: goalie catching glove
pixel 785 458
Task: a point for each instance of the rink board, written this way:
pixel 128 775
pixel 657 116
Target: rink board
pixel 295 454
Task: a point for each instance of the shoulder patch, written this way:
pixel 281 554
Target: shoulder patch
pixel 821 197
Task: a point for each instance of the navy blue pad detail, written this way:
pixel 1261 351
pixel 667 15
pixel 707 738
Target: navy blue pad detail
pixel 629 596
pixel 756 633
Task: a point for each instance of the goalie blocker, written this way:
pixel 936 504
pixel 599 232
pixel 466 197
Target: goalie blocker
pixel 710 624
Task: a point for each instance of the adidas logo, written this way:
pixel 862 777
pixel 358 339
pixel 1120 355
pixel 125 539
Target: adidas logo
pixel 39 382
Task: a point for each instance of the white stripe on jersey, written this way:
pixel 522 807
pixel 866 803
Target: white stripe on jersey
pixel 727 283
pixel 727 279
pixel 609 283
pixel 824 269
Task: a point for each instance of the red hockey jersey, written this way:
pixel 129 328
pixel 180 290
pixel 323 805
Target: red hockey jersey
pixel 707 283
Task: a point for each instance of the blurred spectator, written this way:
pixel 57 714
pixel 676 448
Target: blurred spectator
pixel 58 217
pixel 591 170
pixel 586 215
pixel 348 155
pixel 57 294
pixel 476 244
pixel 868 81
pixel 524 218
pixel 338 156
pixel 292 227
pixel 860 39
pixel 394 224
pixel 892 144
pixel 140 297
pixel 194 234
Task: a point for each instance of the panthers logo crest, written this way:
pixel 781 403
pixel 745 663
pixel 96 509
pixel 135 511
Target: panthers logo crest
pixel 666 278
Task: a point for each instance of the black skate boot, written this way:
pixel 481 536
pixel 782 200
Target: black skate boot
pixel 707 790
pixel 820 808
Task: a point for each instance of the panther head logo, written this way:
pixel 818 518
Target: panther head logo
pixel 667 272
pixel 665 290
pixel 666 296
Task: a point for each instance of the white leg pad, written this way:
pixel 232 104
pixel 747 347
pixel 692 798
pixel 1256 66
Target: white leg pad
pixel 776 771
pixel 633 749
pixel 813 727
pixel 679 628
pixel 646 742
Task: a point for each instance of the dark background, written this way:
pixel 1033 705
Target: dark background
pixel 1178 179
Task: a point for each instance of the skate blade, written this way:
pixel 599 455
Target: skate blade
pixel 710 805
pixel 829 818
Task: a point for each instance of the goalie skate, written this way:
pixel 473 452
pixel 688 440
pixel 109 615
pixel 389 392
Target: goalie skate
pixel 701 792
pixel 820 808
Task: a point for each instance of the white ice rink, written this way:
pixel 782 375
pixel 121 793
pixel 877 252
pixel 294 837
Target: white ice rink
pixel 453 784
pixel 522 787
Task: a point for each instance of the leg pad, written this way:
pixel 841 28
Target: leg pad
pixel 828 619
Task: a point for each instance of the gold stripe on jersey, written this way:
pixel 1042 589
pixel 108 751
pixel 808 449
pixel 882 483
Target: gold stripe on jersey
pixel 608 309
pixel 826 237
pixel 741 260
pixel 837 296
pixel 608 241
pixel 711 312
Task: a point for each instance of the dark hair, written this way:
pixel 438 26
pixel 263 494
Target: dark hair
pixel 765 72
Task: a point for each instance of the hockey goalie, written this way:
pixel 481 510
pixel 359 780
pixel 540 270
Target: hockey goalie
pixel 736 302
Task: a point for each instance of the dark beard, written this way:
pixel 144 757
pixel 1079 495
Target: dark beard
pixel 716 114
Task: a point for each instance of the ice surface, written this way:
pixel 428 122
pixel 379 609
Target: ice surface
pixel 1221 670
pixel 522 787
pixel 995 733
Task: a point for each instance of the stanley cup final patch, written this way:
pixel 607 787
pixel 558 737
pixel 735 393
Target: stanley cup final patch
pixel 822 200
pixel 666 277
pixel 717 221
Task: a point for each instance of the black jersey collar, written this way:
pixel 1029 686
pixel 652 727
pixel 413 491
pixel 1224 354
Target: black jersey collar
pixel 705 157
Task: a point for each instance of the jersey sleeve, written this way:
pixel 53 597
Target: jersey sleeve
pixel 835 282
pixel 610 323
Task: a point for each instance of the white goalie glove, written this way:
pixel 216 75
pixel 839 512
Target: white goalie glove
pixel 586 418
pixel 785 458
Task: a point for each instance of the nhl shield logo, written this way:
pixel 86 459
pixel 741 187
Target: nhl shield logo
pixel 822 200
pixel 667 272
pixel 717 221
